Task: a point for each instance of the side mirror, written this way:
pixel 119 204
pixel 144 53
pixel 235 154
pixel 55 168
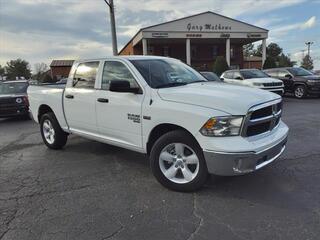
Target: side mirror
pixel 288 76
pixel 122 86
pixel 222 79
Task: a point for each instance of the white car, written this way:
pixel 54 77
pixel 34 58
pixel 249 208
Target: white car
pixel 159 106
pixel 253 78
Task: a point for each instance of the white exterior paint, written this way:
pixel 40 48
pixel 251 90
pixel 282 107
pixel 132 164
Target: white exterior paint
pixel 228 51
pixel 188 51
pixel 188 107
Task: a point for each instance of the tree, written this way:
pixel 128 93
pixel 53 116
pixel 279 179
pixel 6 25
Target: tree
pixel 273 50
pixel 307 62
pixel 248 50
pixel 285 61
pixel 220 65
pixel 40 71
pixel 18 68
pixel 269 63
pixel 2 71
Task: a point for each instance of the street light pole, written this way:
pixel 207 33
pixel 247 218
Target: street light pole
pixel 113 27
pixel 309 44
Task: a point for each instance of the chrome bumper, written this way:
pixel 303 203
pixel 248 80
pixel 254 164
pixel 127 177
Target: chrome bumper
pixel 230 164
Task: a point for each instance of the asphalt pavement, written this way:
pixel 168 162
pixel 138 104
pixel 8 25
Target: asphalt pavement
pixel 91 190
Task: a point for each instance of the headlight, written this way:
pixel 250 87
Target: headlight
pixel 258 84
pixel 222 126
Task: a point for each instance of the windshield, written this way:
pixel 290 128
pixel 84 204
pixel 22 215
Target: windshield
pixel 14 87
pixel 210 76
pixel 160 73
pixel 255 73
pixel 297 71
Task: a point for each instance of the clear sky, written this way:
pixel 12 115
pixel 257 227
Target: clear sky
pixel 42 30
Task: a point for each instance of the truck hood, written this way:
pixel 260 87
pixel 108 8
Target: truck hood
pixel 263 80
pixel 231 99
pixel 312 77
pixel 12 95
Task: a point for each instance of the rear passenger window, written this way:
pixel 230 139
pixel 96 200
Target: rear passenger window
pixel 115 71
pixel 85 75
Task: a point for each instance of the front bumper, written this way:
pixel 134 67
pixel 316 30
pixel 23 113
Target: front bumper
pixel 313 89
pixel 239 163
pixel 15 111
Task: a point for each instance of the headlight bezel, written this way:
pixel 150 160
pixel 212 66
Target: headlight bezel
pixel 223 126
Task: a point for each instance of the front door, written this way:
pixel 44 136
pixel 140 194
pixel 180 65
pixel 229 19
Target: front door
pixel 119 113
pixel 79 99
pixel 286 78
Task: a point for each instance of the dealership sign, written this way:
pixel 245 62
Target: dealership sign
pixel 207 27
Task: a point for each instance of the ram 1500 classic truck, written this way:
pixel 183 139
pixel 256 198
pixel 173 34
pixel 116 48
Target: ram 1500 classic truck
pixel 187 126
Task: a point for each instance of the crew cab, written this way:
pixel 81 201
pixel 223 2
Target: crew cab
pixel 297 80
pixel 253 78
pixel 13 99
pixel 187 126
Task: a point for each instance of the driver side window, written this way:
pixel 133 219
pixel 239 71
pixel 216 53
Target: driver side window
pixel 116 71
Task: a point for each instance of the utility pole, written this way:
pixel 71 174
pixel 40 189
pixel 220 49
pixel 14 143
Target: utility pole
pixel 113 27
pixel 309 44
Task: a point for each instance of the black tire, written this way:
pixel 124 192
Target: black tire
pixel 178 136
pixel 300 91
pixel 60 137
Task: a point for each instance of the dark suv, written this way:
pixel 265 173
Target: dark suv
pixel 297 80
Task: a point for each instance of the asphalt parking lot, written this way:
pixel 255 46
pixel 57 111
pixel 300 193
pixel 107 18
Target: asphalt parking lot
pixel 92 190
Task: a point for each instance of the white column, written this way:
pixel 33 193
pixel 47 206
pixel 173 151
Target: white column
pixel 188 51
pixel 144 46
pixel 228 51
pixel 264 50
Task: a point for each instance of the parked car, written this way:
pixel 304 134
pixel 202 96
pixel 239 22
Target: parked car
pixel 297 80
pixel 62 81
pixel 253 78
pixel 13 99
pixel 159 106
pixel 211 76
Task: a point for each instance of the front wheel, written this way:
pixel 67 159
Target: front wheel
pixel 177 162
pixel 52 134
pixel 300 91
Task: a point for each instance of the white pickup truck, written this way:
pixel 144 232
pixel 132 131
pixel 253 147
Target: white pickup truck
pixel 160 106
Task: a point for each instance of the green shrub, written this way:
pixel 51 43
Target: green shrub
pixel 220 65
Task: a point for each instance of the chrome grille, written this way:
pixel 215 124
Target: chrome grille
pixel 262 118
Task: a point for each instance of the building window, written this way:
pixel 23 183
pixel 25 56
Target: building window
pixel 215 51
pixel 232 52
pixel 166 51
pixel 150 50
pixel 193 51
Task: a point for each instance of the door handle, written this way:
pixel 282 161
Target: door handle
pixel 69 96
pixel 103 100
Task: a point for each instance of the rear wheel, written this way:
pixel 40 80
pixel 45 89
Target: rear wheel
pixel 52 134
pixel 177 162
pixel 300 91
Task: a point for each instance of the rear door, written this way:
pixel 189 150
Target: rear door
pixel 80 99
pixel 119 113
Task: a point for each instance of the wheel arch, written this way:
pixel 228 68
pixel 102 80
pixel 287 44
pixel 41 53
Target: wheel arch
pixel 162 129
pixel 43 109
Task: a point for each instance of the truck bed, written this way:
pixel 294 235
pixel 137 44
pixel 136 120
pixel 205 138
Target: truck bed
pixel 47 95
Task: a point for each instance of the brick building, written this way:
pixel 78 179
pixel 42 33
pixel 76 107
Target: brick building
pixel 60 68
pixel 198 40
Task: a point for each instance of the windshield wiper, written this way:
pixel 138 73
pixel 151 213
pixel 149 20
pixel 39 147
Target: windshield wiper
pixel 173 84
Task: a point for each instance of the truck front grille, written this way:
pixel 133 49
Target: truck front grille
pixel 273 84
pixel 262 118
